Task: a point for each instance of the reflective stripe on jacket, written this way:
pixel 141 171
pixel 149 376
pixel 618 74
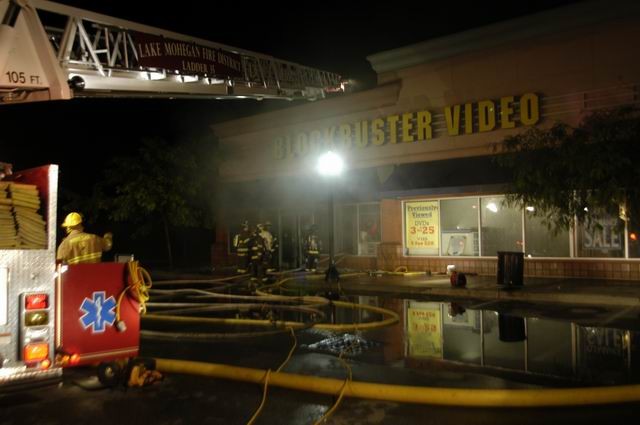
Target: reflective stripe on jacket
pixel 80 247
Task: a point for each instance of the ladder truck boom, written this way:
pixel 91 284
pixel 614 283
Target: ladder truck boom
pixel 50 51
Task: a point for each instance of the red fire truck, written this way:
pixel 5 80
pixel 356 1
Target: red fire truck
pixel 52 316
pixel 55 316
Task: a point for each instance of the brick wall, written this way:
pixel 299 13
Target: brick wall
pixel 390 257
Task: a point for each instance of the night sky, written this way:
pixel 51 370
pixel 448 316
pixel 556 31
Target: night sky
pixel 79 134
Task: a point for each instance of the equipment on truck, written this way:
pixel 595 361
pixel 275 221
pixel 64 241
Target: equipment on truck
pixel 96 55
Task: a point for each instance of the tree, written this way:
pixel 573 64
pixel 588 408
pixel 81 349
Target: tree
pixel 566 172
pixel 162 183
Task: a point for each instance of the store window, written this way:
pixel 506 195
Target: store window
pixel 321 220
pixel 501 226
pixel 358 229
pixel 459 227
pixel 540 240
pixel 603 238
pixel 633 238
pixel 369 225
pixel 347 229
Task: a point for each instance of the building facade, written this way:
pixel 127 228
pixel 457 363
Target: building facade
pixel 421 189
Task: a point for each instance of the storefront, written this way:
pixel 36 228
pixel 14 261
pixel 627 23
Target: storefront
pixel 421 189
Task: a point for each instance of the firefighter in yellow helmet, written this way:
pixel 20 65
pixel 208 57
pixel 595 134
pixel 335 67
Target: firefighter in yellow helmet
pixel 80 247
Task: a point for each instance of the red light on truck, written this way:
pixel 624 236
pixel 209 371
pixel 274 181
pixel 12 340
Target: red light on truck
pixel 36 301
pixel 36 352
pixel 45 364
pixel 74 359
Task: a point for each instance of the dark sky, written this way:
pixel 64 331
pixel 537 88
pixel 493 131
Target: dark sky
pixel 335 36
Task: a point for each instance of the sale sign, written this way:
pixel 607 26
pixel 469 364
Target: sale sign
pixel 422 227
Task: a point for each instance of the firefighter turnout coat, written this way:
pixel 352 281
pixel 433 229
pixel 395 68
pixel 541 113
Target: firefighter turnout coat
pixel 80 247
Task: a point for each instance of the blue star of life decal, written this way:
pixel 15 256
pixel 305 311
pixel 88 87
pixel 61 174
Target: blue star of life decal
pixel 98 312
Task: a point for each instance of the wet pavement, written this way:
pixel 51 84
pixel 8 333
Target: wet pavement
pixel 484 288
pixel 591 337
pixel 185 400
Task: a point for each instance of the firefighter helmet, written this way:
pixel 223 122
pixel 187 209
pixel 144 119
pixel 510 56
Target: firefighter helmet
pixel 72 219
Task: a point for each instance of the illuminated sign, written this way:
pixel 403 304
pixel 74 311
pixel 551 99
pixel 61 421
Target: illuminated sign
pixel 412 127
pixel 422 227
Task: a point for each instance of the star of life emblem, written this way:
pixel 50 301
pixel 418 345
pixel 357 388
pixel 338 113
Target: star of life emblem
pixel 98 312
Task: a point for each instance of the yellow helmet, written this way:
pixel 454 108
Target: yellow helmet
pixel 72 219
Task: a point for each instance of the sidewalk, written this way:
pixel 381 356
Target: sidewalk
pixel 484 288
pixel 594 292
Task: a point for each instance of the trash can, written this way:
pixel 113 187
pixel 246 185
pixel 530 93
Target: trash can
pixel 511 328
pixel 510 268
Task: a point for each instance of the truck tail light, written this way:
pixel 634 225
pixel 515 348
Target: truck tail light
pixel 64 359
pixel 36 301
pixel 36 352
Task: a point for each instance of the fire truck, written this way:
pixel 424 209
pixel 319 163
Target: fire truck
pixel 55 316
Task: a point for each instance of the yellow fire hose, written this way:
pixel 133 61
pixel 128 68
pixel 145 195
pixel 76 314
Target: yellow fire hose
pixel 412 394
pixel 391 318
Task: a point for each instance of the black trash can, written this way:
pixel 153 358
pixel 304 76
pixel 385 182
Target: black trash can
pixel 511 328
pixel 510 268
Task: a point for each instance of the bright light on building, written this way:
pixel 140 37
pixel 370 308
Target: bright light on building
pixel 530 209
pixel 491 206
pixel 330 164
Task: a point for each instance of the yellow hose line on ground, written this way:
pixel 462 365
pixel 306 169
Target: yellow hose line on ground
pixel 412 394
pixel 392 318
pixel 197 280
pixel 222 321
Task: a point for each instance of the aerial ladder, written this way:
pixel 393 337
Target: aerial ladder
pixel 50 51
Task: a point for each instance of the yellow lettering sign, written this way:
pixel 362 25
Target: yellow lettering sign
pixel 506 110
pixel 392 121
pixel 424 125
pixel 468 118
pixel 452 117
pixel 407 127
pixel 377 129
pixel 529 109
pixel 486 116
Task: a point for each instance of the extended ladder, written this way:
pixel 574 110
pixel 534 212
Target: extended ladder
pixel 49 51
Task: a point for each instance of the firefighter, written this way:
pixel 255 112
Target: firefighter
pixel 241 243
pixel 257 248
pixel 275 251
pixel 268 238
pixel 80 247
pixel 312 246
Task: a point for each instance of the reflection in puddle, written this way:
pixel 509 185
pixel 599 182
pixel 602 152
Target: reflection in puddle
pixel 450 334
